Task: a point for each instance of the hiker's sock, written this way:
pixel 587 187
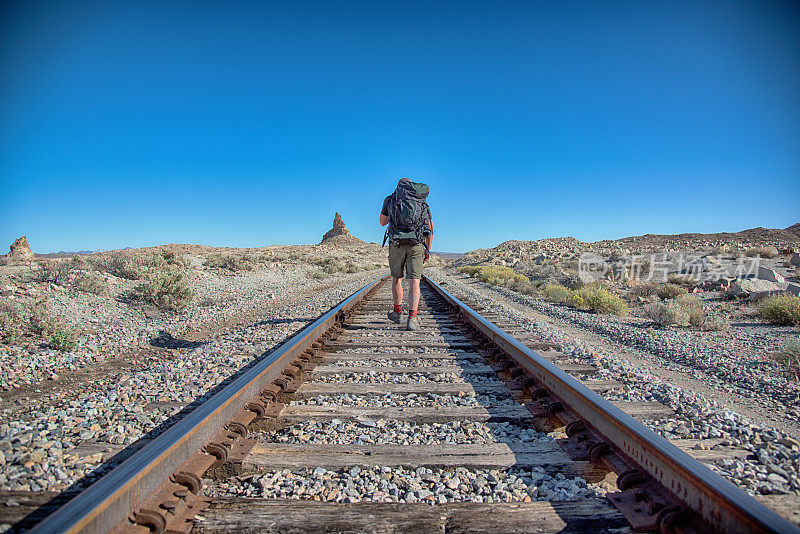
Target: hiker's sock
pixel 397 308
pixel 412 313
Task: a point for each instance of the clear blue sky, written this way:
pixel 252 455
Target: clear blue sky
pixel 251 123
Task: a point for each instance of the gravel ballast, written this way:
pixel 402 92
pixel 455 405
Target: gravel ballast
pixel 55 440
pixel 398 484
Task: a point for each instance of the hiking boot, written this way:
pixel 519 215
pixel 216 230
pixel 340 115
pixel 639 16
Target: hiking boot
pixel 394 316
pixel 412 323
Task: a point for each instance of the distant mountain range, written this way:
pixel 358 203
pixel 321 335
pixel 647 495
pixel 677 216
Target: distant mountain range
pixel 448 255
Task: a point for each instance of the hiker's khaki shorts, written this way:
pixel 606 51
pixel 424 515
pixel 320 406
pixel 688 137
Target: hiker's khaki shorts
pixel 406 257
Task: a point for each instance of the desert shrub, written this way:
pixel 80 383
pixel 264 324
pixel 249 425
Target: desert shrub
pixel 693 307
pixel 517 278
pixel 216 261
pixel 603 301
pixel 55 332
pixel 764 252
pixel 643 290
pixel 89 282
pixel 579 298
pixel 681 279
pixel 666 313
pixel 331 266
pixel 61 337
pixel 79 263
pixel 797 273
pixel 171 258
pixel 246 263
pixel 229 262
pixel 54 271
pixel 318 274
pixel 39 319
pixel 685 310
pixel 3 260
pixel 165 288
pixel 783 310
pixel 470 270
pixel 118 264
pixel 557 293
pixel 714 321
pixel 11 320
pixel 495 275
pixel 788 357
pixel 670 291
pixel 350 267
pixel 597 299
pixel 521 286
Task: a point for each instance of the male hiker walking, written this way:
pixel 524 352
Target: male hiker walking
pixel 410 233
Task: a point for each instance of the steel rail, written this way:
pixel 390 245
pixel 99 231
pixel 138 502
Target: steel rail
pixel 111 500
pixel 722 505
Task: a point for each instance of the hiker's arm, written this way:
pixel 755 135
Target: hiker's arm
pixel 430 239
pixel 385 211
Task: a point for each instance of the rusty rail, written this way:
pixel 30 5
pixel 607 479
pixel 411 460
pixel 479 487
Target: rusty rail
pixel 114 498
pixel 614 438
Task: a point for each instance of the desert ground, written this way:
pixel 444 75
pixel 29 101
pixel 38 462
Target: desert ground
pixel 100 351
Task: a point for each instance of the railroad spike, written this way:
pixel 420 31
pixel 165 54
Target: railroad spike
pixel 152 519
pixel 218 450
pixel 598 450
pixel 258 409
pixel 574 428
pixel 190 480
pixel 629 478
pixel 554 407
pixel 538 393
pixel 237 428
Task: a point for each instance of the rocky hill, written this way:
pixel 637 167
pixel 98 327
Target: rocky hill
pixel 565 248
pixel 786 238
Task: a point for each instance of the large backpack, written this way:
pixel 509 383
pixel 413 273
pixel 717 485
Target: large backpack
pixel 408 215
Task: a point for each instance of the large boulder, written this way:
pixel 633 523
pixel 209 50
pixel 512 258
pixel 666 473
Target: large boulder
pixel 20 250
pixel 795 259
pixel 771 275
pixel 744 287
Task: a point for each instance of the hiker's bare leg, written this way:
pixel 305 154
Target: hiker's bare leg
pixel 413 293
pixel 397 291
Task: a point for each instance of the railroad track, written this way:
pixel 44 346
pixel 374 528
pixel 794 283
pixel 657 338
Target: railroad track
pixel 478 401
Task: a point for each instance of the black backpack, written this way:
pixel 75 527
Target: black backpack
pixel 408 215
